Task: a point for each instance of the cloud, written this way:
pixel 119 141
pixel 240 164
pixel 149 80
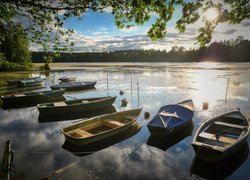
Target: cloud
pixel 101 41
pixel 228 32
pixel 100 33
pixel 245 24
pixel 131 29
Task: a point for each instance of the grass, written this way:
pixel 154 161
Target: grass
pixel 6 66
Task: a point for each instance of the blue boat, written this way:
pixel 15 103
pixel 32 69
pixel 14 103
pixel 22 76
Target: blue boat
pixel 171 118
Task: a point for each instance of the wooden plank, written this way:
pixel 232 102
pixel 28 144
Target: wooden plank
pixel 85 102
pixel 80 133
pixel 229 125
pixel 221 138
pixel 19 95
pixel 114 124
pixel 60 103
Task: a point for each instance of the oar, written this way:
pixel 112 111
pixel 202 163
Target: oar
pixel 162 121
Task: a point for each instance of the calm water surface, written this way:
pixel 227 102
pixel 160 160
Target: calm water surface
pixel 40 150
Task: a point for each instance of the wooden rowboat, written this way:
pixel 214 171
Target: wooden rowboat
pixel 83 150
pixel 100 127
pixel 171 118
pixel 74 106
pixel 31 98
pixel 220 136
pixel 74 86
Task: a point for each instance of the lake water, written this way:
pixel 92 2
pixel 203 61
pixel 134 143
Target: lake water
pixel 40 149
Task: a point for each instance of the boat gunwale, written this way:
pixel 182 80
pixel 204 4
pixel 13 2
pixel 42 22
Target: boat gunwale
pixel 98 118
pixel 99 99
pixel 103 132
pixel 30 94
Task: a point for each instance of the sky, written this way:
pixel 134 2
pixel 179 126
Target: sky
pixel 98 32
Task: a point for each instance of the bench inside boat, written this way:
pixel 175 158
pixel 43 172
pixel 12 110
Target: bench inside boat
pixel 221 134
pixel 95 128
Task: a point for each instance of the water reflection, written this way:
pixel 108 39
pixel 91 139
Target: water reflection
pixel 38 146
pixel 221 169
pixel 94 147
pixel 166 142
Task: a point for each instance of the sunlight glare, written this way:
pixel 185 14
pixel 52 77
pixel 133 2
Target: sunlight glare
pixel 209 87
pixel 211 14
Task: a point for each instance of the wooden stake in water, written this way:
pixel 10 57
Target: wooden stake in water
pixel 138 94
pixel 7 162
pixel 131 92
pixel 226 90
pixel 107 84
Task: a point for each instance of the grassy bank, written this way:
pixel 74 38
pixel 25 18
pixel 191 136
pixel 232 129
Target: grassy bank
pixel 6 66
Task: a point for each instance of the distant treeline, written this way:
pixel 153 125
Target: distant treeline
pixel 228 51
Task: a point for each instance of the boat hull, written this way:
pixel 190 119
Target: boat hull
pixel 161 131
pixel 30 82
pixel 104 134
pixel 31 99
pixel 98 137
pixel 171 118
pixel 220 136
pixel 207 153
pixel 54 110
pixel 68 87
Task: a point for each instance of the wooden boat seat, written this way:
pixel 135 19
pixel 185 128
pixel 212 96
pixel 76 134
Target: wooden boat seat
pixel 221 138
pixel 19 95
pixel 229 125
pixel 114 124
pixel 60 103
pixel 85 101
pixel 80 133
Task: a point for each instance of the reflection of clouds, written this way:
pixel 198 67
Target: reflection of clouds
pixel 38 148
pixel 145 163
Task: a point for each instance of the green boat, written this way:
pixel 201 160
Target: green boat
pixel 26 99
pixel 101 127
pixel 74 106
pixel 35 81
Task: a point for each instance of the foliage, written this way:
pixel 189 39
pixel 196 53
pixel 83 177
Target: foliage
pixel 226 51
pixel 46 18
pixel 15 44
pixel 2 57
pixel 10 66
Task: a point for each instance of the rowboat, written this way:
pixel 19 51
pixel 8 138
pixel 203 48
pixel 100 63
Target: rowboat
pixel 74 106
pixel 171 118
pixel 35 81
pixel 31 98
pixel 100 127
pixel 83 150
pixel 74 86
pixel 218 137
pixel 67 79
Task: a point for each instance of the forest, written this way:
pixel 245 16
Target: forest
pixel 227 51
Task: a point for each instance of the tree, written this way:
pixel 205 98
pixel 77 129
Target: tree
pixel 47 16
pixel 15 44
